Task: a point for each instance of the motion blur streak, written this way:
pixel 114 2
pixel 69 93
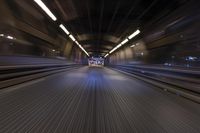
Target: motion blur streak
pixel 91 100
pixel 99 66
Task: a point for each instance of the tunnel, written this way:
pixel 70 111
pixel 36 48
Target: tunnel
pixel 99 66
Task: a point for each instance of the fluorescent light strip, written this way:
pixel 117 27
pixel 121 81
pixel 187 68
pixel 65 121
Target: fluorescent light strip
pixel 112 50
pixel 82 48
pixel 119 45
pixel 106 55
pixel 46 9
pixel 132 46
pixel 64 29
pixel 10 37
pixel 134 34
pixel 125 41
pixel 115 48
pixel 52 16
pixel 72 37
pixel 77 42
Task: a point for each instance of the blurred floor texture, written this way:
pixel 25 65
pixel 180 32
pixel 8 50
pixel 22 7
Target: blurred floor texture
pixel 94 100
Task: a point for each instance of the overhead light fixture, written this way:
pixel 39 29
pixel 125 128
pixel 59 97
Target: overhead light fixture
pixel 2 35
pixel 106 55
pixel 86 53
pixel 134 34
pixel 72 37
pixel 119 45
pixel 78 43
pixel 82 48
pixel 64 29
pixel 46 9
pixel 10 37
pixel 132 46
pixel 125 41
pixel 112 50
pixel 115 48
pixel 135 45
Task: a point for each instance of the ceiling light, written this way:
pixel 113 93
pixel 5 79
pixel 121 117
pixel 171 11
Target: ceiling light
pixel 10 37
pixel 77 43
pixel 134 34
pixel 83 50
pixel 119 45
pixel 64 29
pixel 46 9
pixel 113 50
pixel 1 35
pixel 72 37
pixel 106 55
pixel 125 41
pixel 132 46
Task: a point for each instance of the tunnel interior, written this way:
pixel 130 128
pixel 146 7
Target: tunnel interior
pixel 100 66
pixel 169 27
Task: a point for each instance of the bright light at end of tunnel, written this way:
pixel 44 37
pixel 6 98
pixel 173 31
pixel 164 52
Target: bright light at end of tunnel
pixel 72 37
pixel 64 29
pixel 46 9
pixel 134 34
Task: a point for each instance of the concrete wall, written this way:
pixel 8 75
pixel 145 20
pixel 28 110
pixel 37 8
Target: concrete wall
pixel 35 34
pixel 173 39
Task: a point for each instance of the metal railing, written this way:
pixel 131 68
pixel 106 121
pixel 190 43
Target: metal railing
pixel 13 75
pixel 183 82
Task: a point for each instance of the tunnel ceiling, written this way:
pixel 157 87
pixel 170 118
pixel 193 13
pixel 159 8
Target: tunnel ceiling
pixel 100 24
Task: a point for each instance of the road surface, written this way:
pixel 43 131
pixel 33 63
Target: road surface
pixel 94 100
